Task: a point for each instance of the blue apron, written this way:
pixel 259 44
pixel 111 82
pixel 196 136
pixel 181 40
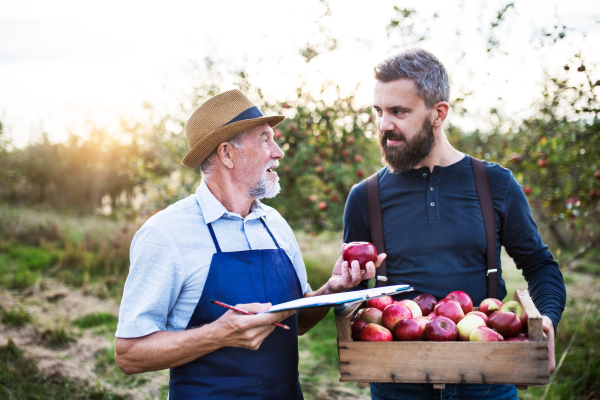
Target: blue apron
pixel 271 372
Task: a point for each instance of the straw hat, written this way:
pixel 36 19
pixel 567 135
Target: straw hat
pixel 218 120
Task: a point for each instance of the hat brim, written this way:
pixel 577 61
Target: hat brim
pixel 198 153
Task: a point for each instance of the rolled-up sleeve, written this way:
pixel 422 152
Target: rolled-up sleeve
pixel 153 284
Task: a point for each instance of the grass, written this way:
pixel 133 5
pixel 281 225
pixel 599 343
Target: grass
pixel 55 338
pixel 16 318
pixel 21 380
pixel 97 319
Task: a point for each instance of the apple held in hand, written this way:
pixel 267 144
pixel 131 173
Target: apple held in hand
pixel 363 252
pixel 480 314
pixel 380 302
pixel 440 329
pixel 375 333
pixel 408 330
pixel 516 308
pixel 463 299
pixel 485 334
pixel 506 323
pixel 356 327
pixel 466 325
pixel 395 313
pixel 426 303
pixel 449 308
pixel 414 307
pixel 488 306
pixel 372 315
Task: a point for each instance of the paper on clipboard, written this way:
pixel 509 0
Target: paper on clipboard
pixel 340 298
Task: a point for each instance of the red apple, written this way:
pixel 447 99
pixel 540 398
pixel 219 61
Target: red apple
pixel 426 302
pixel 360 173
pixel 408 330
pixel 527 190
pixel 521 337
pixel 542 163
pixel 356 327
pixel 322 205
pixel 488 306
pixel 467 324
pixel 375 333
pixel 357 316
pixel 597 175
pixel 414 307
pixel 372 315
pixel 424 320
pixel 506 323
pixel 479 313
pixel 514 158
pixel 380 302
pixel 463 299
pixel 363 252
pixel 516 308
pixel 395 313
pixel 485 334
pixel 449 308
pixel 440 329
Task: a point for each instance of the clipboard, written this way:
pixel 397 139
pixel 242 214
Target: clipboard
pixel 329 300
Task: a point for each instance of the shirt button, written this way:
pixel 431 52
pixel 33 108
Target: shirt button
pixel 432 204
pixel 425 175
pixel 432 189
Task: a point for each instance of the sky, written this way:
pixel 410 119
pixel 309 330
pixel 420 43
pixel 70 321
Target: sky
pixel 65 64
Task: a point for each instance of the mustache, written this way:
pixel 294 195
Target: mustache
pixel 272 164
pixel 391 135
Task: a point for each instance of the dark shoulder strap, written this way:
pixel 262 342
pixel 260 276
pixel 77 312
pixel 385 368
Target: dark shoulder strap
pixel 375 220
pixel 484 191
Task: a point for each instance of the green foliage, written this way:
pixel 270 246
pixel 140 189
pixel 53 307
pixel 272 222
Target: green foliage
pixel 96 319
pixel 21 380
pixel 329 147
pixel 15 317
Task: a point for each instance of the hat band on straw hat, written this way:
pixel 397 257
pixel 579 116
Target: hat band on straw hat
pixel 251 113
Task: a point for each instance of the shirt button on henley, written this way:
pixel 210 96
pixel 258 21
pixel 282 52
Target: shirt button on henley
pixel 432 189
pixel 425 175
pixel 432 204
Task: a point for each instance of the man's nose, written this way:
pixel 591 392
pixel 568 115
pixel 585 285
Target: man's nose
pixel 385 123
pixel 276 151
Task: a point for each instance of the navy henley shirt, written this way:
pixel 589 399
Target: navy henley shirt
pixel 435 237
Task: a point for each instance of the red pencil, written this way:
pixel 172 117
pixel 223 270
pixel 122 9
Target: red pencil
pixel 244 312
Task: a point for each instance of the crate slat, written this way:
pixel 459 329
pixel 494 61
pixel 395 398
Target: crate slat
pixel 524 363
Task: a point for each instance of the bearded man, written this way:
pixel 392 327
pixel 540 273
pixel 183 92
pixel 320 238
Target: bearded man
pixel 433 229
pixel 223 244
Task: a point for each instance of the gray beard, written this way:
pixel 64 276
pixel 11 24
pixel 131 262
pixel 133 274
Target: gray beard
pixel 413 152
pixel 265 188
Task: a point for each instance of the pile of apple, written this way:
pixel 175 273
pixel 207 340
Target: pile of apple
pixel 453 318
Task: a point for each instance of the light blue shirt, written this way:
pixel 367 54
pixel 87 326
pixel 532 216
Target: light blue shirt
pixel 171 255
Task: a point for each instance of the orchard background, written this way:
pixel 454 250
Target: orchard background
pixel 69 209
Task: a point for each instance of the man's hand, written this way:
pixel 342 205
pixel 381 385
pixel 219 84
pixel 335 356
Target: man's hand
pixel 346 277
pixel 548 327
pixel 162 349
pixel 248 331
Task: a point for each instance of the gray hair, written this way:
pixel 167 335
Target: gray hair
pixel 421 67
pixel 236 141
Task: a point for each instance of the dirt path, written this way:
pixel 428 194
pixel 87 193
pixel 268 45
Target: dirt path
pixel 53 306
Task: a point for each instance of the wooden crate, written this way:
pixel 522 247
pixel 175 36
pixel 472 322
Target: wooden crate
pixel 519 363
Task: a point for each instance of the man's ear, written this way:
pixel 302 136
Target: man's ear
pixel 226 154
pixel 441 112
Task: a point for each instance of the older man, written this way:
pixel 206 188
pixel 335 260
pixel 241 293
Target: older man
pixel 222 243
pixel 433 228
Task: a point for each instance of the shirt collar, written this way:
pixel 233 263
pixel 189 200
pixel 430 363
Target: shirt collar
pixel 212 209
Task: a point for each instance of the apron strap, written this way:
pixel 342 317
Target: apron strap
pixel 214 238
pixel 268 230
